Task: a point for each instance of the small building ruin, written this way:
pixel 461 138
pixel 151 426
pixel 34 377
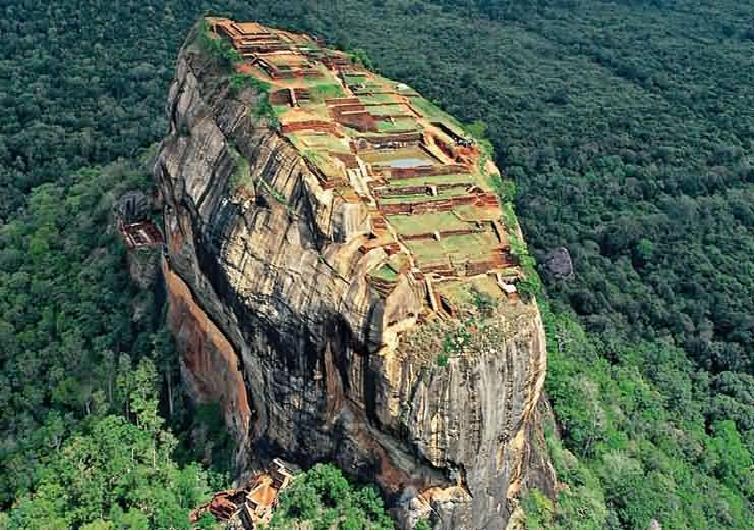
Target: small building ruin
pixel 250 506
pixel 132 212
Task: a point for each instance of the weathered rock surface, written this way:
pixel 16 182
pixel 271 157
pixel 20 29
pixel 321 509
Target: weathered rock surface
pixel 276 321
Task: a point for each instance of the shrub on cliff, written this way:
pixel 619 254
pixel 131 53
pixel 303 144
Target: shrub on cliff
pixel 219 49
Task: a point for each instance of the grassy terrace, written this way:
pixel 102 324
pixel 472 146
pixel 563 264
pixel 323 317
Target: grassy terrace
pixel 433 112
pixel 408 91
pixel 353 79
pixel 461 178
pixel 453 249
pixel 428 252
pixel 420 223
pixel 420 197
pixel 435 179
pixel 387 156
pixel 388 109
pixel 477 244
pixel 321 142
pixel 385 272
pixel 369 98
pixel 319 92
pixel 399 125
pixel 463 291
pixel 471 213
pixel 321 160
pixel 327 78
pixel 380 84
pixel 310 111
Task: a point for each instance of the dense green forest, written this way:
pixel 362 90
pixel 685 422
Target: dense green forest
pixel 627 127
pixel 83 442
pixel 322 498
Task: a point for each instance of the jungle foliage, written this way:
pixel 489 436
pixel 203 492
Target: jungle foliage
pixel 114 474
pixel 322 498
pixel 626 126
pixel 84 361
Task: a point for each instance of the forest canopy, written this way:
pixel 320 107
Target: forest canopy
pixel 626 127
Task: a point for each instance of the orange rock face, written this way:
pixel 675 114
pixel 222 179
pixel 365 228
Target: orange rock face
pixel 209 364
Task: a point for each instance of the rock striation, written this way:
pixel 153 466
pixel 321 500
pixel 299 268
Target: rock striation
pixel 276 319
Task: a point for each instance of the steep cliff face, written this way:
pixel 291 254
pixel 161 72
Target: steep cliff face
pixel 276 320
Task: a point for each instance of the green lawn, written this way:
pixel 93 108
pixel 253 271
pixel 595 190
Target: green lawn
pixel 472 212
pixel 389 109
pixel 323 91
pixel 475 246
pixel 351 79
pixel 369 98
pixel 427 223
pixel 385 272
pixel 428 252
pixel 418 197
pixel 434 113
pixel 463 292
pixel 320 142
pixel 466 178
pixel 400 125
pixel 454 249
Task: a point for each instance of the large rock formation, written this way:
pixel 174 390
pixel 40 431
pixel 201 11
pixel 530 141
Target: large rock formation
pixel 276 321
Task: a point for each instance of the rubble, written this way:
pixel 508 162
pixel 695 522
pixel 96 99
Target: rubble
pixel 250 506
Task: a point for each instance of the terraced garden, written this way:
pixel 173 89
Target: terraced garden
pixel 375 141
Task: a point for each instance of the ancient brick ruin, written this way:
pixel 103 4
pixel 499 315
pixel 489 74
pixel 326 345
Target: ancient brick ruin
pixel 251 505
pixel 132 218
pixel 424 183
